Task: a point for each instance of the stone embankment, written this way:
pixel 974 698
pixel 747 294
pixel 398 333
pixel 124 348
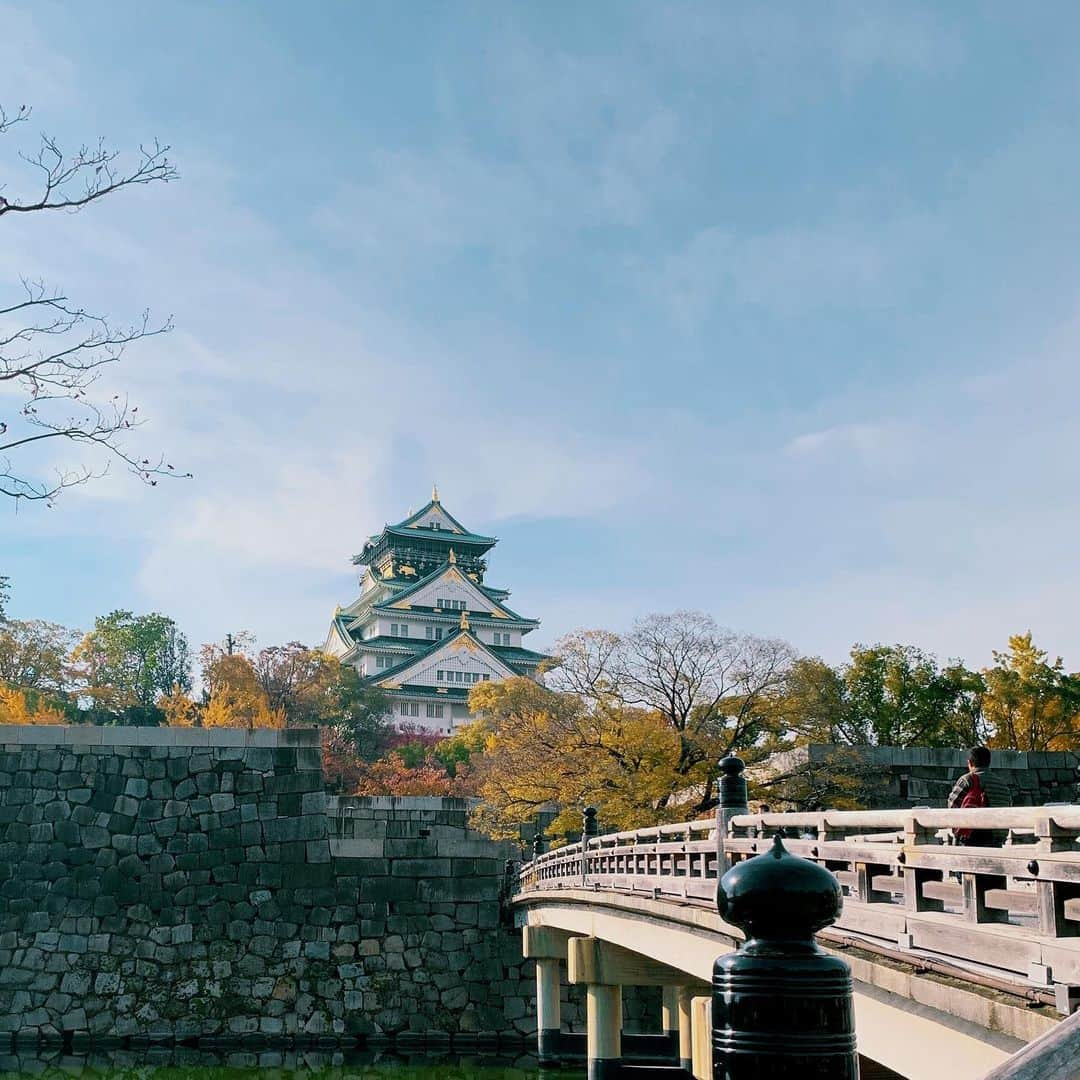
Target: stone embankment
pixel 893 777
pixel 183 884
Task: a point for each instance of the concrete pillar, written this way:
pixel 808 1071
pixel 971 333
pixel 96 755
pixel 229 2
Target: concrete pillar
pixel 603 1010
pixel 670 1013
pixel 686 1042
pixel 548 1010
pixel 701 1027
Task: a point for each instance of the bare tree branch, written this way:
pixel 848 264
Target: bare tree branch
pixel 52 351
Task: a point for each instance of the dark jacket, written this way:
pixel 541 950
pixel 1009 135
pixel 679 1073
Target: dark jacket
pixel 997 791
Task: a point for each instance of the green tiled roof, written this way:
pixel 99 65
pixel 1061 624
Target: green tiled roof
pixel 454 694
pixel 382 641
pixel 451 538
pixel 424 509
pixel 416 586
pixel 512 654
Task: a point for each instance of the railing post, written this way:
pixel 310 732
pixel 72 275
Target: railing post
pixel 733 801
pixel 588 831
pixel 781 1008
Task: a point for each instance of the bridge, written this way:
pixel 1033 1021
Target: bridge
pixel 965 960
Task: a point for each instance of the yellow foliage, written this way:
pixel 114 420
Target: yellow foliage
pixel 179 709
pixel 236 698
pixel 546 749
pixel 1030 703
pixel 20 707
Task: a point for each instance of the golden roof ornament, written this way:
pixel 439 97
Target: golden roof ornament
pixel 464 620
pixel 434 492
pixel 452 558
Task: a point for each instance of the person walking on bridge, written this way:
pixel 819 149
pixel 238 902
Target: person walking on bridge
pixel 979 786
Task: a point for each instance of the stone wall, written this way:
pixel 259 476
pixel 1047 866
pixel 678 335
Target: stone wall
pixel 435 952
pixel 179 884
pixel 896 777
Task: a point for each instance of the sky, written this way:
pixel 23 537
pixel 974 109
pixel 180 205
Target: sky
pixel 770 311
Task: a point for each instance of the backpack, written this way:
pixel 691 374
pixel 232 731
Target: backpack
pixel 974 798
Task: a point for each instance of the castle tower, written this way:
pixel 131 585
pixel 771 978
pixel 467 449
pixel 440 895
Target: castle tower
pixel 425 628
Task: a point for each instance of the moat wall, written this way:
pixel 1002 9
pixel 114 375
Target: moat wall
pixel 893 777
pixel 181 884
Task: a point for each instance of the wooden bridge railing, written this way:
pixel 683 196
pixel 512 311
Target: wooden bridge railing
pixel 1012 912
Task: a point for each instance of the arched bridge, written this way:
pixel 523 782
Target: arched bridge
pixel 965 960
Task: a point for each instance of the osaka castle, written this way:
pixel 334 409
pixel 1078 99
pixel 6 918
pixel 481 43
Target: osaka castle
pixel 426 628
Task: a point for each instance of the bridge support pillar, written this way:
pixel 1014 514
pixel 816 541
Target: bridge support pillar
pixel 603 1011
pixel 548 1015
pixel 686 1040
pixel 670 1013
pixel 701 1031
pixel 548 948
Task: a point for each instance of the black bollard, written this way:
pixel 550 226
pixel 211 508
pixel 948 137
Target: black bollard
pixel 732 801
pixel 782 1008
pixel 589 829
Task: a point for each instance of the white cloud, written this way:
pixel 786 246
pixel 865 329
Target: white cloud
pixel 861 439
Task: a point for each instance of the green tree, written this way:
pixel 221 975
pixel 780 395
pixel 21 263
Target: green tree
pixel 129 661
pixel 1030 703
pixel 897 695
pixel 36 655
pixel 360 714
pixel 5 596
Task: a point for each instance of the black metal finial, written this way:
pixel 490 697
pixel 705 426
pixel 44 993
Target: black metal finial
pixel 732 765
pixel 782 1008
pixel 588 821
pixel 733 794
pixel 779 895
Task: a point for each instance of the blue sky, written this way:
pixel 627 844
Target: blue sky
pixel 765 310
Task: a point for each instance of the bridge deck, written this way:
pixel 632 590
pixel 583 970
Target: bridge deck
pixel 981 942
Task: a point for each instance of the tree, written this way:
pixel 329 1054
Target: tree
pixel 1029 703
pixel 28 707
pixel 36 655
pixel 52 350
pixel 359 714
pixel 5 596
pixel 179 710
pixel 711 686
pixel 897 695
pixel 295 680
pixel 544 748
pixel 234 697
pixel 811 705
pixel 887 695
pixel 129 661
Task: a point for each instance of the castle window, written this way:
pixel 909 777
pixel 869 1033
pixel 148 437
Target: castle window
pixel 486 678
pixel 384 661
pixel 409 708
pixel 439 675
pixel 434 712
